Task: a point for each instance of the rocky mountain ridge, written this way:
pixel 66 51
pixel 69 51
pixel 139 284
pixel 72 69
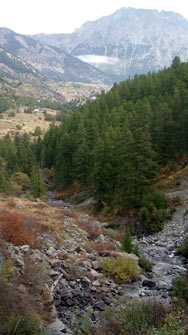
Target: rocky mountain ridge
pixel 127 42
pixel 46 60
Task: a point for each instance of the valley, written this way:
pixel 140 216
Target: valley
pixel 94 178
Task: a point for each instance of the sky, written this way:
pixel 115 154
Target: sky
pixel 64 16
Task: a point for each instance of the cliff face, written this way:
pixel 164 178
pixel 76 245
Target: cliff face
pixel 127 42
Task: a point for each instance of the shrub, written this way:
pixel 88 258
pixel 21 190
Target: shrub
pixel 28 324
pixel 100 247
pixel 159 200
pixel 114 234
pixel 180 288
pixel 172 210
pixel 127 244
pixel 18 126
pixel 22 180
pixel 15 188
pixel 14 230
pixel 11 114
pixel 37 131
pixel 183 249
pixel 145 263
pixel 92 228
pixel 158 215
pixel 173 326
pixel 121 269
pixel 144 214
pixel 176 200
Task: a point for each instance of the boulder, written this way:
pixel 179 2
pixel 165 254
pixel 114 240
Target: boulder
pixel 148 283
pixel 56 328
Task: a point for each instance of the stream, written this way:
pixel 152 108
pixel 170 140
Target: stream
pixel 161 250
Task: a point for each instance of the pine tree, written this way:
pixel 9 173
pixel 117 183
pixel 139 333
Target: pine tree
pixel 37 183
pixel 127 243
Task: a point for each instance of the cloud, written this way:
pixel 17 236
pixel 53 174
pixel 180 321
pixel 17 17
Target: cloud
pixel 94 59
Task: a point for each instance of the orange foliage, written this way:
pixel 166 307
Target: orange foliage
pixel 93 230
pixel 101 246
pixel 14 229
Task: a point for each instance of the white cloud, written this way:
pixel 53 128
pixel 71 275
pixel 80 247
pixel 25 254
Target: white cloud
pixel 94 59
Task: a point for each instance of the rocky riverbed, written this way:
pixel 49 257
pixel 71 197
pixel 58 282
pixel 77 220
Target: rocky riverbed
pixel 76 285
pixel 90 292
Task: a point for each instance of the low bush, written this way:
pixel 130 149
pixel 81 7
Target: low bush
pixel 180 288
pixel 114 234
pixel 145 264
pixel 14 230
pixel 174 325
pixel 183 249
pixel 121 269
pixel 27 324
pixel 22 180
pixel 100 247
pixel 160 200
pixel 92 228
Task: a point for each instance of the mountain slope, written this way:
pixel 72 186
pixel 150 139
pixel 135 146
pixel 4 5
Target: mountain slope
pixel 127 42
pixel 11 66
pixel 49 61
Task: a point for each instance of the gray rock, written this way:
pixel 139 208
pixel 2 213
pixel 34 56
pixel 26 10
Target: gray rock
pixel 66 294
pixel 73 284
pixel 85 282
pixel 95 265
pixel 55 262
pixel 19 262
pixel 148 283
pixel 105 225
pixel 51 251
pixel 96 283
pixel 56 328
pixel 100 238
pixel 70 302
pixel 100 305
pixel 25 248
pixel 53 273
pixel 86 264
pixel 87 204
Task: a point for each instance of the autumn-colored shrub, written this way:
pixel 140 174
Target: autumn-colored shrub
pixel 14 230
pixel 100 247
pixel 92 228
pixel 10 203
pixel 58 196
pixel 121 269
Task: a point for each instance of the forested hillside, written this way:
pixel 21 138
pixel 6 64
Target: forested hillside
pixel 116 144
